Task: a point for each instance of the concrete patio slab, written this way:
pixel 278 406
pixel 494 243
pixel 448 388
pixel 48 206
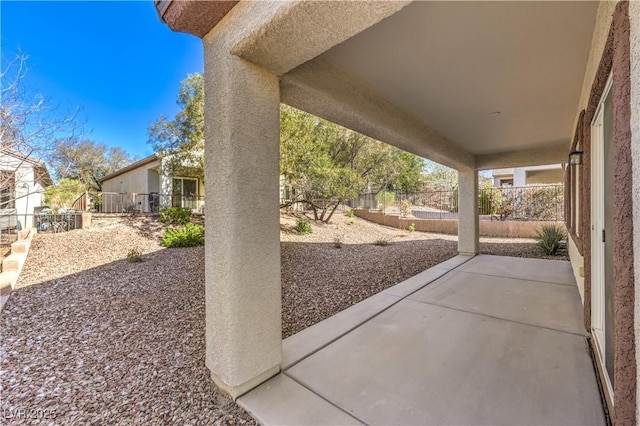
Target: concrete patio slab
pixel 454 262
pixel 445 347
pixel 536 303
pixel 551 271
pixel 424 364
pixel 283 401
pixel 309 340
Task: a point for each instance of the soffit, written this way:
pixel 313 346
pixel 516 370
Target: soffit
pixel 454 65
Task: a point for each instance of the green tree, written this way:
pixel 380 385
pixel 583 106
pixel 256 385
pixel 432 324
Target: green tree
pixel 315 161
pixel 438 177
pixel 87 161
pixel 179 142
pixel 62 195
pixel 327 164
pixel 324 163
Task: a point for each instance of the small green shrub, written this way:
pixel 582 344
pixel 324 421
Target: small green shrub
pixel 412 227
pixel 175 216
pixel 134 255
pixel 550 237
pixel 188 235
pixel 350 213
pixel 304 227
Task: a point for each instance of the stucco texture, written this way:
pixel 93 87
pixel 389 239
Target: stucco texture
pixel 625 356
pixel 614 59
pixel 242 250
pixel 634 20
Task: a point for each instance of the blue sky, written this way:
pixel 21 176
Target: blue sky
pixel 115 60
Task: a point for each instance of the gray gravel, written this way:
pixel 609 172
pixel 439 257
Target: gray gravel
pixel 105 341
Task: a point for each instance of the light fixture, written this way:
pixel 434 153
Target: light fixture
pixel 575 158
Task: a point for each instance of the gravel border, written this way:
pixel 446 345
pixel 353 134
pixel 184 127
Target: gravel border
pixel 101 340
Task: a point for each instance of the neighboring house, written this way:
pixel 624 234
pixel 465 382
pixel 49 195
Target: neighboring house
pixel 143 186
pixel 23 180
pixel 533 175
pixel 472 85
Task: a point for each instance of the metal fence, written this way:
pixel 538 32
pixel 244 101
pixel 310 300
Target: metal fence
pixel 539 203
pixel 43 220
pixel 132 203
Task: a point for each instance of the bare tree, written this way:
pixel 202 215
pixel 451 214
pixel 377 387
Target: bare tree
pixel 30 126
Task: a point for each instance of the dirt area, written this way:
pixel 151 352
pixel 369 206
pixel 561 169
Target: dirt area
pixel 105 341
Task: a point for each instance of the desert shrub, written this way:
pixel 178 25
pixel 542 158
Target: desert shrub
pixel 405 208
pixel 550 237
pixel 304 227
pixel 350 213
pixel 188 235
pixel 543 202
pixel 337 242
pixel 175 216
pixel 134 255
pixel 412 227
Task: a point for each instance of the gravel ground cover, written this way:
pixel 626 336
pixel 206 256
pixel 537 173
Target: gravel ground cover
pixel 101 340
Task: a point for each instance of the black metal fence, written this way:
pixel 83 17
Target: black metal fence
pixel 537 203
pixel 132 203
pixel 43 220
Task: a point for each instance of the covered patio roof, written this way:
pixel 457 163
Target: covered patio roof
pixel 472 85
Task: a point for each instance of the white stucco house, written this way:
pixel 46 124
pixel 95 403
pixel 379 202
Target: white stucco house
pixel 532 175
pixel 143 186
pixel 23 180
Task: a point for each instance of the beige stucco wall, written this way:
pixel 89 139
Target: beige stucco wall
pixel 634 14
pixel 598 41
pixel 577 264
pixel 544 177
pixel 136 180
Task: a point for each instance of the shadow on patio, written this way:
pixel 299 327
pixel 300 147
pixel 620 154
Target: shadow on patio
pixel 489 340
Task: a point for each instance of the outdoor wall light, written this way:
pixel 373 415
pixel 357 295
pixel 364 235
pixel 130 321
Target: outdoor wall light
pixel 575 158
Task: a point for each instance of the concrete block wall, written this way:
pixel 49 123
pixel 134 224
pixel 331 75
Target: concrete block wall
pixel 488 228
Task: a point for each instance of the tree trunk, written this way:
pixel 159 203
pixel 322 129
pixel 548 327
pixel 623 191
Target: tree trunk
pixel 332 211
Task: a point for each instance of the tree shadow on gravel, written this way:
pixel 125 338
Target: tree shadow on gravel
pixel 122 343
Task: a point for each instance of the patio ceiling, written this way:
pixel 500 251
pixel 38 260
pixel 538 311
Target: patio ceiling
pixel 480 77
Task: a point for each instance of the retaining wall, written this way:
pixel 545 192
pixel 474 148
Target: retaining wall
pixel 488 228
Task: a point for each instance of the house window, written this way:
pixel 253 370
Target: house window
pixel 185 193
pixel 7 190
pixel 506 182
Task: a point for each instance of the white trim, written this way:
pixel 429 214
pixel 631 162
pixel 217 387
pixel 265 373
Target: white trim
pixel 197 194
pixel 597 225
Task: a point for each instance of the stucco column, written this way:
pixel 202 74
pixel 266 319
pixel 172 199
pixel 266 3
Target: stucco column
pixel 468 224
pixel 242 251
